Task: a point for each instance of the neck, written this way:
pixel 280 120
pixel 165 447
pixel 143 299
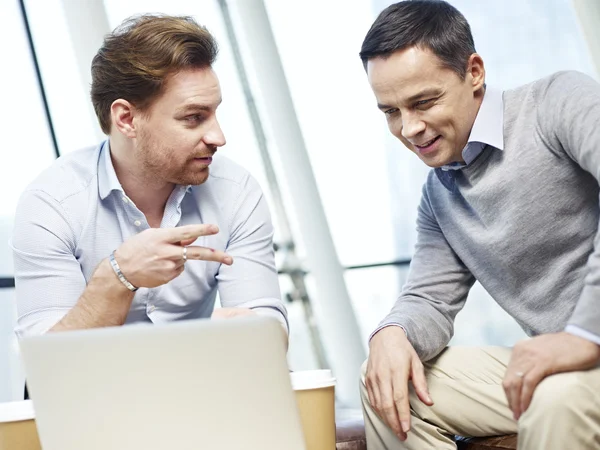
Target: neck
pixel 478 100
pixel 149 194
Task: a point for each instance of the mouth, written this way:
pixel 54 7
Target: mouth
pixel 203 160
pixel 428 146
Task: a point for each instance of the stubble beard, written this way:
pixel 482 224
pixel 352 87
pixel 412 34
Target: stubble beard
pixel 158 164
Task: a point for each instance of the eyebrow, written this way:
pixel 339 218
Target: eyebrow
pixel 197 107
pixel 413 98
pixel 382 106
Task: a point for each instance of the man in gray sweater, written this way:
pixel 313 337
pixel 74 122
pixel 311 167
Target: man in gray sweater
pixel 512 202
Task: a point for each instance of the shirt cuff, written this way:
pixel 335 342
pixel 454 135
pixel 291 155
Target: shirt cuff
pixel 392 324
pixel 578 331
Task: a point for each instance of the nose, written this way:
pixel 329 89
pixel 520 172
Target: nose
pixel 412 126
pixel 214 135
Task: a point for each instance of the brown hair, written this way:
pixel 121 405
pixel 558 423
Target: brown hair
pixel 432 24
pixel 138 56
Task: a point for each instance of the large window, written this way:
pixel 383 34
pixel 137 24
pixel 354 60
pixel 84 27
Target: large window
pixel 56 42
pixel 370 185
pixel 26 150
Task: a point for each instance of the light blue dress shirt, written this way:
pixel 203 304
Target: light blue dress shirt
pixel 76 213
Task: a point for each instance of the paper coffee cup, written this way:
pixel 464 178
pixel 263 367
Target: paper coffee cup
pixel 315 396
pixel 17 426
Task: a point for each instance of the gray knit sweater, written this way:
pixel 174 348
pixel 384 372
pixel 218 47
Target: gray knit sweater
pixel 523 221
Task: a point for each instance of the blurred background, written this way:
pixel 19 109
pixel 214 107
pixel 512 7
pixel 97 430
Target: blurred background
pixel 298 113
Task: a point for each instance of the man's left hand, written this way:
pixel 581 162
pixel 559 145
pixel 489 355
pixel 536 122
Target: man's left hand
pixel 537 358
pixel 228 313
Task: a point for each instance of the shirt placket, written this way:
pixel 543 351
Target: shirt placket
pixel 136 223
pixel 171 218
pixel 172 214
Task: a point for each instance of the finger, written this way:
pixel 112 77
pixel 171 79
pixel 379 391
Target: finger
pixel 401 399
pixel 512 383
pixel 370 396
pixel 228 313
pixel 515 396
pixel 187 242
pixel 530 382
pixel 506 385
pixel 188 232
pixel 389 411
pixel 206 254
pixel 420 383
pixel 243 311
pixel 373 393
pixel 382 399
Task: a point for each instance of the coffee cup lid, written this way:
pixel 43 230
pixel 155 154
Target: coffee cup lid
pixel 16 411
pixel 312 379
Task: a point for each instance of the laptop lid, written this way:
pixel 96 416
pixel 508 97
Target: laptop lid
pixel 189 385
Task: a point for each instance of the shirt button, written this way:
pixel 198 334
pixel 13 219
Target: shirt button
pixel 150 309
pixel 137 223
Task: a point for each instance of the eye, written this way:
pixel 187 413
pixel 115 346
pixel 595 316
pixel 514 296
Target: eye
pixel 390 111
pixel 193 118
pixel 422 103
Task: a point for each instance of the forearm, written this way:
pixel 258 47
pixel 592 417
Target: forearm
pixel 436 288
pixel 104 303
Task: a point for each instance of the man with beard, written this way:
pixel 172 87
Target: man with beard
pixel 511 201
pixel 102 237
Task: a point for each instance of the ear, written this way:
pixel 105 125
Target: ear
pixel 122 115
pixel 476 72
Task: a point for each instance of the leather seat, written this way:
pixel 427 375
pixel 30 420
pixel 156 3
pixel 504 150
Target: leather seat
pixel 508 442
pixel 350 435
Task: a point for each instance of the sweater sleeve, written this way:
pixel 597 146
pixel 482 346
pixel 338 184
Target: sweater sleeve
pixel 436 290
pixel 569 114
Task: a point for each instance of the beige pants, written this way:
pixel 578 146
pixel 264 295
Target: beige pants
pixel 466 385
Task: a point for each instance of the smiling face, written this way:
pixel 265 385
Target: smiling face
pixel 179 133
pixel 429 107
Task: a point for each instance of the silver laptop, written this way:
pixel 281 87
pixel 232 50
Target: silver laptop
pixel 195 385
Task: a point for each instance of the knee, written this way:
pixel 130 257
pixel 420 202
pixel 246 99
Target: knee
pixel 363 371
pixel 556 398
pixel 362 382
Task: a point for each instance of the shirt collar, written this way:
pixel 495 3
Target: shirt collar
pixel 488 128
pixel 489 124
pixel 107 177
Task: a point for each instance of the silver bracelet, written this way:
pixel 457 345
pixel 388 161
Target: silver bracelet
pixel 117 269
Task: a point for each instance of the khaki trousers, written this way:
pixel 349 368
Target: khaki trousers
pixel 465 384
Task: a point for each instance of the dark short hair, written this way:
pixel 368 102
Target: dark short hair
pixel 430 24
pixel 136 59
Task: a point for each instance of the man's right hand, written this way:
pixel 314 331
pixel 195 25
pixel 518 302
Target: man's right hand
pixel 155 256
pixel 392 363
